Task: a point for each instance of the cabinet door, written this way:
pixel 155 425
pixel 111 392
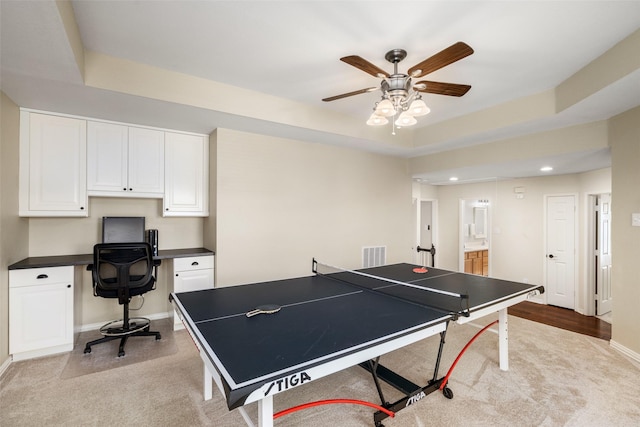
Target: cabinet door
pixel 186 175
pixel 477 265
pixel 53 176
pixel 146 161
pixel 40 316
pixel 194 280
pixel 106 158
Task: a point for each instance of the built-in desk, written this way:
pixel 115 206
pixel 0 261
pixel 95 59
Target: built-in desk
pixel 44 293
pixel 86 259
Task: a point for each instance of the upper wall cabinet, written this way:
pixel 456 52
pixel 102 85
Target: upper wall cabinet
pixel 124 161
pixel 186 175
pixel 64 160
pixel 53 174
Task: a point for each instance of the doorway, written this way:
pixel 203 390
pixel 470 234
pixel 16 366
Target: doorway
pixel 474 237
pixel 427 219
pixel 560 244
pixel 600 255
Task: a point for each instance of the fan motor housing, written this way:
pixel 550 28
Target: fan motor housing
pixel 397 85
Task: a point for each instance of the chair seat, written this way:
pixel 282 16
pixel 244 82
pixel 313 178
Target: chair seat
pixel 108 292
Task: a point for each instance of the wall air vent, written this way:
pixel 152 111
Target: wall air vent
pixel 374 256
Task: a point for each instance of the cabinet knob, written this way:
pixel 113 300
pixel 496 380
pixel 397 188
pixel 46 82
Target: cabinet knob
pixel 42 276
pixel 131 189
pixel 124 189
pixel 81 208
pixel 68 286
pixel 177 275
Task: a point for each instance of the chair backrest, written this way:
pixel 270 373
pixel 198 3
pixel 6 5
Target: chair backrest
pixel 122 269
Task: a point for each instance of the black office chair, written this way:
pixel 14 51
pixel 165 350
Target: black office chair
pixel 123 270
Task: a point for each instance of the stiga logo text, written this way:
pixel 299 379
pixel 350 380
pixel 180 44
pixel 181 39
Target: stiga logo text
pixel 416 397
pixel 287 383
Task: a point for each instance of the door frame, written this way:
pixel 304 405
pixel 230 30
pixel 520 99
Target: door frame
pixel 545 228
pixel 461 208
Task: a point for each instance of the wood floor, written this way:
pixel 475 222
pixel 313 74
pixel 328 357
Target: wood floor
pixel 562 318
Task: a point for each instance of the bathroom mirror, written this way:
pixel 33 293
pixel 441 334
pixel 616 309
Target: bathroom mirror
pixel 480 222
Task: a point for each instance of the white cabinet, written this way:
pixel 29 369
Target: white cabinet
pixel 53 174
pixel 191 274
pixel 40 311
pixel 124 161
pixel 186 175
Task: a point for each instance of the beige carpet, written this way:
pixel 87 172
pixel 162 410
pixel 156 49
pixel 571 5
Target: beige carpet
pixel 556 378
pixel 104 356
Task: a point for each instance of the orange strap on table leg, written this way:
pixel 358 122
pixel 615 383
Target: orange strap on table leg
pixel 446 377
pixel 330 402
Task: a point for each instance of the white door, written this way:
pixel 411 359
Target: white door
pixel 426 232
pixel 603 255
pixel 560 251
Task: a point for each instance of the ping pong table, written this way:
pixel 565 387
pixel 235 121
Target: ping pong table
pixel 313 326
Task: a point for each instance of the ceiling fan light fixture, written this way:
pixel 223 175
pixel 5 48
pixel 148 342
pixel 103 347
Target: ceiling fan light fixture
pixel 418 108
pixel 405 119
pixel 385 108
pixel 377 120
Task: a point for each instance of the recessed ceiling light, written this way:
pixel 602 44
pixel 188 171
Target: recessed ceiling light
pixel 453 178
pixel 546 169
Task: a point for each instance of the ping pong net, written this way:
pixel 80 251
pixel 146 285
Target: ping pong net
pixel 433 298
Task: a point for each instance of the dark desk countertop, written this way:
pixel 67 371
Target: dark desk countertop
pixel 86 259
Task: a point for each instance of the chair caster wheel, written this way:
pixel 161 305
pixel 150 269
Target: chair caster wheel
pixel 158 337
pixel 120 353
pixel 87 350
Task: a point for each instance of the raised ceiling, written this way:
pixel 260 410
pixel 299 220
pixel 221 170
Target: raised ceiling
pixel 286 55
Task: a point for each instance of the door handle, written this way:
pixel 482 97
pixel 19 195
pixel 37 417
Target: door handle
pixel 550 256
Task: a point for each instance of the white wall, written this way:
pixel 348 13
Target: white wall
pixel 517 225
pixel 282 202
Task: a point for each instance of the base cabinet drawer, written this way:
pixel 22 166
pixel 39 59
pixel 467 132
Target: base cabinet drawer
pixel 191 274
pixel 40 311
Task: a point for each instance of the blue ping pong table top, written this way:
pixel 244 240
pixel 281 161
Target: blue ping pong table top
pixel 319 318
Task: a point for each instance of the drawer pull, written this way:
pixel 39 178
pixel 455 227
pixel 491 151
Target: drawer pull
pixel 195 263
pixel 42 276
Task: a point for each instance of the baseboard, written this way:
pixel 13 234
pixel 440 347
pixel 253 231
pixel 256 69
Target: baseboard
pixel 96 326
pixel 624 350
pixel 5 366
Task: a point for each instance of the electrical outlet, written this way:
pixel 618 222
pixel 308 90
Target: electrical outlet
pixel 635 219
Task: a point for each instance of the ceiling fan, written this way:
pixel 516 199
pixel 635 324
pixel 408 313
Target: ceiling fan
pixel 399 95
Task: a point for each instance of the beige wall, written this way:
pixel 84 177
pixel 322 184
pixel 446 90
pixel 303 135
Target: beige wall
pixel 282 202
pixel 517 238
pixel 625 160
pixel 14 232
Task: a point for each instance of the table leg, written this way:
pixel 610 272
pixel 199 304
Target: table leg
pixel 503 339
pixel 265 412
pixel 208 384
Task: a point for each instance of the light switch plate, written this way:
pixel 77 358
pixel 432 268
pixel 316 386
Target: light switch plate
pixel 635 219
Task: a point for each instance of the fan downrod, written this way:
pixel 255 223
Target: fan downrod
pixel 396 55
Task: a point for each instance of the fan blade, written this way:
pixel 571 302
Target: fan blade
pixel 441 59
pixel 355 92
pixel 451 89
pixel 364 65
